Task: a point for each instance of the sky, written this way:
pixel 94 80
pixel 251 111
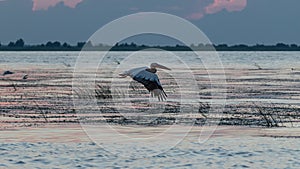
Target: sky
pixel 223 21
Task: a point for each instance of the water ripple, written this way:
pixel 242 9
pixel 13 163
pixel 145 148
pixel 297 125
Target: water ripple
pixel 217 153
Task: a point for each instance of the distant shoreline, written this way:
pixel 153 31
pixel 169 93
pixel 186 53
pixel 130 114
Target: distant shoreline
pixel 62 50
pixel 150 48
pixel 20 45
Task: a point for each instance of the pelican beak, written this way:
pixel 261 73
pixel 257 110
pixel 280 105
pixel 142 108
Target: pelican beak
pixel 121 75
pixel 162 67
pixel 124 74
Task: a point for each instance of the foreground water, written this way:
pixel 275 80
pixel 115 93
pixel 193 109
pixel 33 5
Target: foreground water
pixel 219 152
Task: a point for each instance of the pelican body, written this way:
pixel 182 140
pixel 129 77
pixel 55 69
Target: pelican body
pixel 147 76
pixel 8 73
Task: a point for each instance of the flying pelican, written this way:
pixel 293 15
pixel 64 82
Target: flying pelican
pixel 7 73
pixel 148 78
pixel 25 77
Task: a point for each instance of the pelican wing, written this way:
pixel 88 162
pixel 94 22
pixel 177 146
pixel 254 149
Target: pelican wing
pixel 133 72
pixel 151 82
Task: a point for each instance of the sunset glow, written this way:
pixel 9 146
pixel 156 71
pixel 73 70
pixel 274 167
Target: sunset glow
pixel 217 6
pixel 195 16
pixel 214 6
pixel 229 5
pixel 45 4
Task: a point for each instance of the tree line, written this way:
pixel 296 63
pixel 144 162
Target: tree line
pixel 20 45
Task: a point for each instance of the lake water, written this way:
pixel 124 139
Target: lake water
pixel 271 79
pixel 268 60
pixel 234 78
pixel 239 150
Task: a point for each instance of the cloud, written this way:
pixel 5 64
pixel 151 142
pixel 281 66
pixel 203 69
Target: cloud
pixel 195 16
pixel 217 6
pixel 229 5
pixel 195 10
pixel 45 4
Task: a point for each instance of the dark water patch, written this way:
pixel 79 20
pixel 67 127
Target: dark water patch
pixel 3 165
pixel 20 163
pixel 41 160
pixel 240 166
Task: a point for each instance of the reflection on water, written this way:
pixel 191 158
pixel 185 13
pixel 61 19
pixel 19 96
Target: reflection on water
pixel 270 79
pixel 254 81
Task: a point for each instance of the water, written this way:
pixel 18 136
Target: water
pixel 268 60
pixel 277 82
pixel 243 152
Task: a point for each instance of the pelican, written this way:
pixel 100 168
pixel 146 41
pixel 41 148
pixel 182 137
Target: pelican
pixel 7 73
pixel 149 79
pixel 25 77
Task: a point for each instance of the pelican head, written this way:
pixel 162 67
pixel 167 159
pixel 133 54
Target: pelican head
pixel 124 74
pixel 156 65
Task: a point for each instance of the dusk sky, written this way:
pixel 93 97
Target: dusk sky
pixel 223 21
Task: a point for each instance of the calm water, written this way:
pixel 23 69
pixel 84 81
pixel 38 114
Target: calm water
pixel 218 152
pixel 270 60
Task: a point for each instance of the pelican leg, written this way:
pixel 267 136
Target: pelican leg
pixel 159 94
pixel 163 96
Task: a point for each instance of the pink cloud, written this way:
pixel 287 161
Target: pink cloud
pixel 45 4
pixel 217 6
pixel 200 9
pixel 195 16
pixel 229 5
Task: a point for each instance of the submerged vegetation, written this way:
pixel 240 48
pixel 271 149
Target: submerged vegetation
pixel 43 99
